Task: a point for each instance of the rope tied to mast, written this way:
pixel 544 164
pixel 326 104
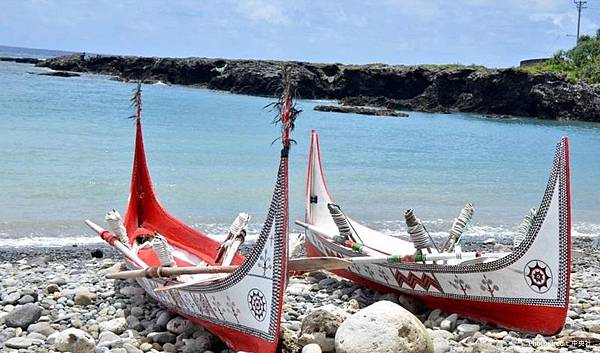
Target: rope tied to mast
pixel 237 233
pixel 524 227
pixel 115 224
pixel 162 249
pixel 345 228
pixel 459 226
pixel 417 232
pixel 340 221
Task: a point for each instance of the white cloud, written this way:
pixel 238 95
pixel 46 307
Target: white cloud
pixel 563 21
pixel 425 10
pixel 262 11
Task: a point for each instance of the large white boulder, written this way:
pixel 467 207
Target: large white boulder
pixel 383 327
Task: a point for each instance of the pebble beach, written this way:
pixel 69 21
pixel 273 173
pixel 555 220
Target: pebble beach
pixel 58 300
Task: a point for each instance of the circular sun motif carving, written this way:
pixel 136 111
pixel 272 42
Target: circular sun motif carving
pixel 257 304
pixel 538 276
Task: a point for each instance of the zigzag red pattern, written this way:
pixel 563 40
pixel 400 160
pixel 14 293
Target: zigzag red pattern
pixel 425 281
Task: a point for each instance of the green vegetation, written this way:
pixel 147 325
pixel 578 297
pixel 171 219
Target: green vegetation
pixel 582 63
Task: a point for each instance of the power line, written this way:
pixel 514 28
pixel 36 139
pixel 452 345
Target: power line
pixel 580 6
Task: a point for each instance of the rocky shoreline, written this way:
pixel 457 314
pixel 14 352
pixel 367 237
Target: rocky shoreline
pixel 58 300
pixel 360 110
pixel 21 60
pixel 419 88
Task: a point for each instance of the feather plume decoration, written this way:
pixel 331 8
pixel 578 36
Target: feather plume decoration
pixel 285 108
pixel 136 101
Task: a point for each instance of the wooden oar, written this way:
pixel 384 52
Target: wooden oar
pixel 300 264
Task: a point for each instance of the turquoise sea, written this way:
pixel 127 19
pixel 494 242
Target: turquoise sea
pixel 66 148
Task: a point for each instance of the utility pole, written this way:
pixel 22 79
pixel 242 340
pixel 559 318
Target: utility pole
pixel 580 6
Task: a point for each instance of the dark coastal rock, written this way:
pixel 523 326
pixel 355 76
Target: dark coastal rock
pixel 59 74
pixel 359 110
pixel 395 87
pixel 21 60
pixel 498 116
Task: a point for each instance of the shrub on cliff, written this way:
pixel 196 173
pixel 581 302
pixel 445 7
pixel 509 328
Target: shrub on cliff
pixel 579 63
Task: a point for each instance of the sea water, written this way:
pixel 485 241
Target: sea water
pixel 66 152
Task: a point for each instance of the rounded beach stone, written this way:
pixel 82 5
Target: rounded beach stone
pixel 11 298
pixel 22 342
pixel 23 316
pixel 382 328
pixel 110 340
pixel 118 325
pixel 325 319
pixel 52 288
pixel 163 319
pixel 449 323
pixel 84 297
pixel 145 347
pixel 178 325
pixel 161 337
pixel 43 328
pixel 74 340
pixel 468 329
pixel 132 290
pixel 26 299
pixel 311 348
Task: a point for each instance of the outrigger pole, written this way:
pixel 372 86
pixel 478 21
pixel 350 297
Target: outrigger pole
pixel 111 239
pixel 299 264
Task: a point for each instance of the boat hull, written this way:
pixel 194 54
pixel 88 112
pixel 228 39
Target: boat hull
pixel 526 289
pixel 214 316
pixel 546 320
pixel 242 308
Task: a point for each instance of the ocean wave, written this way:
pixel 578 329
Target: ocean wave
pixel 218 231
pixel 51 242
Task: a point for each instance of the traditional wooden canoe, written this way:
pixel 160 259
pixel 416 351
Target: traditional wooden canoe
pixel 243 308
pixel 526 289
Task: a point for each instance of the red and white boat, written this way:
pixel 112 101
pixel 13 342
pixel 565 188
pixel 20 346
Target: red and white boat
pixel 243 308
pixel 526 289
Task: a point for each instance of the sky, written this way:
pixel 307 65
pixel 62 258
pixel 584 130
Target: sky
pixel 485 32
